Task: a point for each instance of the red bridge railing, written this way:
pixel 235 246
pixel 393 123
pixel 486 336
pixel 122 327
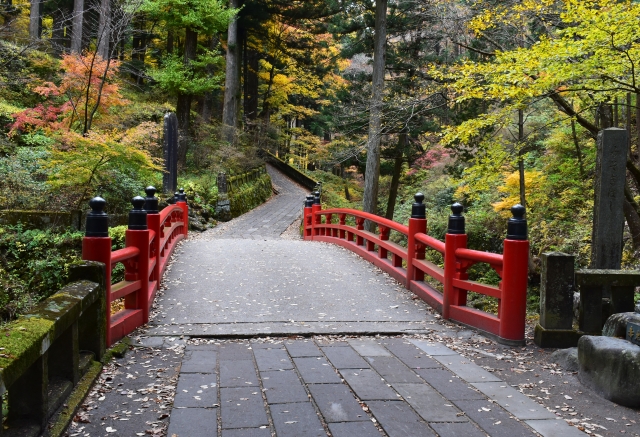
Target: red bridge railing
pixel 409 266
pixel 149 242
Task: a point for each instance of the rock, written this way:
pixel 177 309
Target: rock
pixel 576 305
pixel 611 367
pixel 616 325
pixel 195 226
pixel 638 308
pixel 566 358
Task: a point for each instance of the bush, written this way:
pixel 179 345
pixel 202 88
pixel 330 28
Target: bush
pixel 33 265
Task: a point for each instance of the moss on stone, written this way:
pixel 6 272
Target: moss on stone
pixel 63 419
pixel 22 343
pixel 118 351
pixel 248 196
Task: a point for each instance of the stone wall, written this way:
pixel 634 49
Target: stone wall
pixel 248 196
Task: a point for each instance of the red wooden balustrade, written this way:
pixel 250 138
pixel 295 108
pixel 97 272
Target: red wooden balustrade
pixel 148 248
pixel 409 266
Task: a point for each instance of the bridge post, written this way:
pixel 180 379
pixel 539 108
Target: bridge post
pixel 513 304
pixel 138 236
pixel 153 224
pixel 96 246
pixel 417 225
pixel 182 203
pixel 317 219
pixel 455 238
pixel 307 218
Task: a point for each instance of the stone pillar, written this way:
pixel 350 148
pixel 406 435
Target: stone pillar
pixel 170 177
pixel 555 327
pixel 608 215
pixel 223 207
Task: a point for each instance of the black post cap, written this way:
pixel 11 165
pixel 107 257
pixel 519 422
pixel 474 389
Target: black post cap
pixel 97 219
pixel 456 220
pixel 418 210
pixel 182 196
pixel 308 203
pixel 151 202
pixel 316 198
pixel 517 226
pixel 138 216
pixel 176 197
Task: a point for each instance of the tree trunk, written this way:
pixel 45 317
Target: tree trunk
pixel 523 199
pixel 104 29
pixel 395 179
pixel 183 107
pixel 208 98
pixel 372 172
pixel 78 19
pixel 632 217
pixel 35 20
pixel 251 67
pixel 170 42
pixel 577 145
pixel 232 82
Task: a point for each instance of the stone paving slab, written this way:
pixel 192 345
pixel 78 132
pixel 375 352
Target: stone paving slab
pixel 336 403
pixel 493 419
pixel 554 428
pixel 399 420
pixel 242 407
pixel 466 369
pixel 513 401
pixel 354 429
pixel 344 358
pixel 316 370
pixel 429 404
pixel 283 387
pixel 297 420
pixel 196 390
pixel 190 422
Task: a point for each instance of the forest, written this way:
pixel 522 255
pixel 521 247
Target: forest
pixel 488 103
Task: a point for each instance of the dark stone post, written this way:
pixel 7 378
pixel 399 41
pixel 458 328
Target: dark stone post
pixel 608 216
pixel 151 201
pixel 97 219
pixel 170 177
pixel 223 206
pixel 555 327
pixel 138 216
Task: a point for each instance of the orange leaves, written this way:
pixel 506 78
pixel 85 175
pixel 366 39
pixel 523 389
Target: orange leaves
pixel 87 89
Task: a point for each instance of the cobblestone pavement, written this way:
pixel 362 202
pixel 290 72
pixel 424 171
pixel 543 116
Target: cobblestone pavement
pixel 276 367
pixel 351 387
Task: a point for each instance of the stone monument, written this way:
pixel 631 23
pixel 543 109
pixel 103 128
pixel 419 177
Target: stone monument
pixel 170 177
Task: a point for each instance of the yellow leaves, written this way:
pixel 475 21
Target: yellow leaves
pixel 533 180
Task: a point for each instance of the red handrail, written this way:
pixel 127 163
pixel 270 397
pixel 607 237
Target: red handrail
pixel 408 265
pixel 145 257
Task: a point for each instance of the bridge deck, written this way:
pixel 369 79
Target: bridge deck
pixel 335 381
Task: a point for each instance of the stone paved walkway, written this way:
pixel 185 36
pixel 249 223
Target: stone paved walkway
pixel 289 374
pixel 361 387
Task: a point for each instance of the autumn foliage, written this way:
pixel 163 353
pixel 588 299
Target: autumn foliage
pixel 87 89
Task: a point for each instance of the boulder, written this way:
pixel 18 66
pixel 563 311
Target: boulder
pixel 195 225
pixel 566 358
pixel 616 325
pixel 611 367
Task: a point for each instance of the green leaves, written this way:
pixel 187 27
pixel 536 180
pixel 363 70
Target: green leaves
pixel 176 77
